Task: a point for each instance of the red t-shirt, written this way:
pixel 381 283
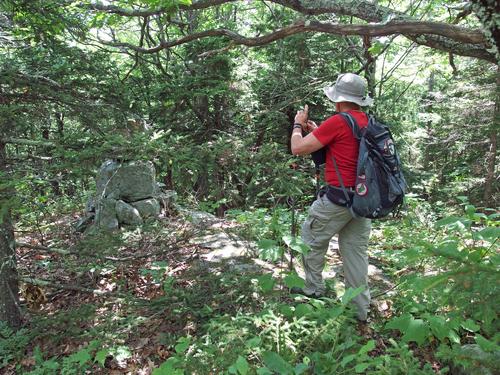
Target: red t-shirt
pixel 337 135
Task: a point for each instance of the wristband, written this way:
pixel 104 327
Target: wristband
pixel 297 126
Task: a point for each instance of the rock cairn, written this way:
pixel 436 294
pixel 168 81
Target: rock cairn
pixel 126 194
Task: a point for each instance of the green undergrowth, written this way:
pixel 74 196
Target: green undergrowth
pixel 177 314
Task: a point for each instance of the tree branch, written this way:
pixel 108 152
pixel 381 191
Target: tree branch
pixel 412 29
pixel 202 4
pixel 445 37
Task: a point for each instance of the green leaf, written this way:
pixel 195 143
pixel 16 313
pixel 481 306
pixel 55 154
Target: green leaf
pixel 470 325
pixel 295 243
pixel 182 344
pixel 485 344
pixel 254 342
pixel 413 329
pixel 489 234
pixel 81 357
pixel 347 359
pixel 266 282
pixel 376 48
pixel 303 309
pixel 454 222
pixel 266 244
pixel 360 368
pixel 293 280
pixel 470 210
pixel 275 363
pixel 242 365
pixel 264 371
pixel 417 331
pixel 300 368
pixel 351 293
pixel 168 368
pixel 101 355
pixel 441 328
pixel 370 345
pixel 286 311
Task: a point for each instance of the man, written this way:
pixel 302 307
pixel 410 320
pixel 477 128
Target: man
pixel 325 217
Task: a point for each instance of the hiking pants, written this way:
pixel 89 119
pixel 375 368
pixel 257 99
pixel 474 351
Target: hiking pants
pixel 324 221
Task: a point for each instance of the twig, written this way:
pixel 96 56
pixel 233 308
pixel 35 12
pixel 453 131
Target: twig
pixel 44 248
pixel 53 284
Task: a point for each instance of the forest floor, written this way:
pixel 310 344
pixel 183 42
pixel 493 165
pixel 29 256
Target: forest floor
pixel 124 302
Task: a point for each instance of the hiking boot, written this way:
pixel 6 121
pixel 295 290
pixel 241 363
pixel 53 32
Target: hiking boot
pixel 297 290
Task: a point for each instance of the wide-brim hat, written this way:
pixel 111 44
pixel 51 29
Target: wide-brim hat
pixel 349 88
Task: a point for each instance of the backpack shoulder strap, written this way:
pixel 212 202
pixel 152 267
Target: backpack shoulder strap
pixel 353 125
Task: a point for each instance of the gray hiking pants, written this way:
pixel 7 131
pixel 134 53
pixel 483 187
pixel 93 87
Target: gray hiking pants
pixel 324 221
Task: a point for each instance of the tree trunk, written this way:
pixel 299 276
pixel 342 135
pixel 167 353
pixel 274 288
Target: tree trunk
pixel 492 154
pixel 370 67
pixel 9 284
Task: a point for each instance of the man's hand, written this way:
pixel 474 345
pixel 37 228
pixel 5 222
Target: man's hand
pixel 310 126
pixel 302 117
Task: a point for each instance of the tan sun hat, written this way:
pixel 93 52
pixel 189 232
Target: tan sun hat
pixel 349 88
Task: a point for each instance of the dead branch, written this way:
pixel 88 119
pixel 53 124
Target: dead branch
pixel 56 285
pixel 43 248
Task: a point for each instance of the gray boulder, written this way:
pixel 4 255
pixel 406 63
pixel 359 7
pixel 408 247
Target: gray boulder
pixel 106 214
pixel 130 182
pixel 127 214
pixel 147 208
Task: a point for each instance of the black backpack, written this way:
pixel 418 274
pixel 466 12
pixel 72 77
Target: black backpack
pixel 380 184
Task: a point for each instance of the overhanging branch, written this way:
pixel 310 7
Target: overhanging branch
pixel 411 29
pixel 441 36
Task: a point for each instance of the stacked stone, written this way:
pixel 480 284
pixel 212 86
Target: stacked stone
pixel 127 194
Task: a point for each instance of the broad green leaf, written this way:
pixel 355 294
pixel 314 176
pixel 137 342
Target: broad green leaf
pixel 266 282
pixel 241 365
pixel 264 371
pixel 266 244
pixel 303 309
pixel 489 234
pixel 417 331
pixel 414 254
pixel 275 363
pixel 485 344
pixel 101 355
pixel 168 368
pixel 470 325
pixel 300 368
pixel 426 283
pixel 450 249
pixel 412 329
pixel 440 328
pixel 254 342
pixel 182 344
pixel 347 359
pixel 295 243
pixel 361 367
pixel 454 222
pixel 376 48
pixel 293 280
pixel 286 311
pixel 81 357
pixel 351 293
pixel 370 345
pixel 470 210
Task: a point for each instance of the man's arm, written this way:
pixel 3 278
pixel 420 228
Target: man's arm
pixel 309 143
pixel 304 145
